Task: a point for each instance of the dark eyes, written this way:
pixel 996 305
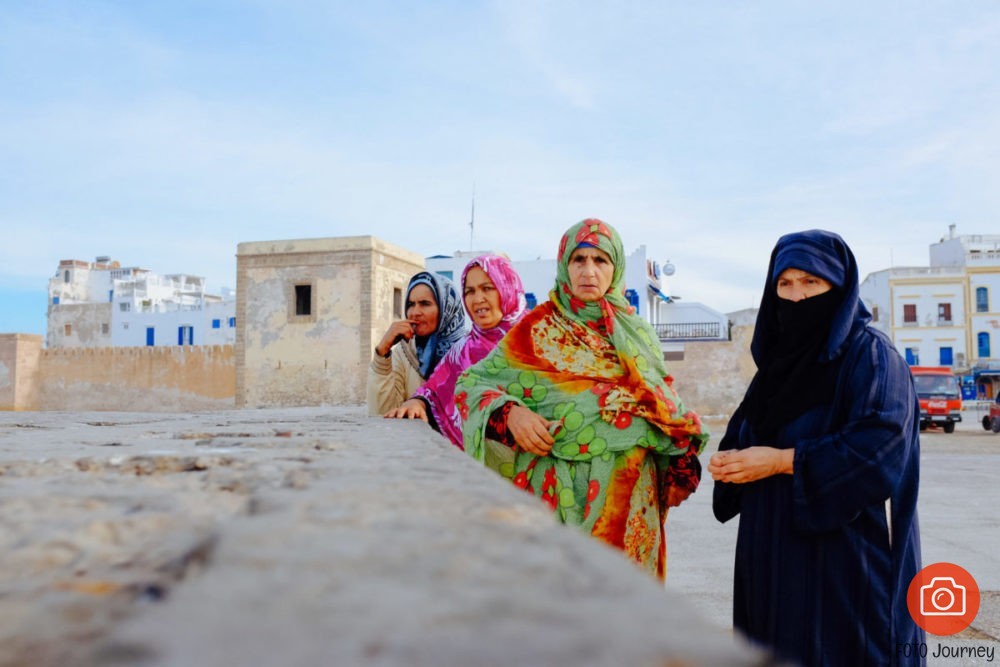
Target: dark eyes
pixel 485 288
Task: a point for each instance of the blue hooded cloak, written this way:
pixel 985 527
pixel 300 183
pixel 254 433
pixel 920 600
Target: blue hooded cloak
pixel 824 556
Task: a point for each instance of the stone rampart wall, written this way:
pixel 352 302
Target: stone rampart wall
pixel 713 376
pixel 149 379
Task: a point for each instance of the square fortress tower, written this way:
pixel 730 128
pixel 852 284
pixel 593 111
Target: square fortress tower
pixel 308 314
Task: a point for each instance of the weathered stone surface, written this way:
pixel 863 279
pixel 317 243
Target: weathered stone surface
pixel 304 536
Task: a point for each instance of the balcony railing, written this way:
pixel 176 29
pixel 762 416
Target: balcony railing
pixel 690 331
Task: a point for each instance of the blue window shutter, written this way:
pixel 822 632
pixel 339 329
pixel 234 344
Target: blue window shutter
pixel 633 298
pixel 946 356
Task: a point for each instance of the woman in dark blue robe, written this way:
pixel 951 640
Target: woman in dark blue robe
pixel 821 462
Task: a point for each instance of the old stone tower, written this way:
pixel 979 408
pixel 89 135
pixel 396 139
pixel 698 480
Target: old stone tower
pixel 308 314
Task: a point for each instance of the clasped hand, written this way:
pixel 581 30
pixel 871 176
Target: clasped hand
pixel 739 466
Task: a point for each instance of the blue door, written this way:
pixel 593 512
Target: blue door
pixel 185 335
pixel 984 345
pixel 150 337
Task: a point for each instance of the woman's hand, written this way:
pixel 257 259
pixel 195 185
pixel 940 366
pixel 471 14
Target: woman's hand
pixel 530 430
pixel 402 329
pixel 740 466
pixel 412 408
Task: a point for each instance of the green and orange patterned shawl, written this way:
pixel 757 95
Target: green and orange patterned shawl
pixel 597 369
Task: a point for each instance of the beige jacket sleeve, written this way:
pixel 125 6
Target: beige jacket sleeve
pixel 391 381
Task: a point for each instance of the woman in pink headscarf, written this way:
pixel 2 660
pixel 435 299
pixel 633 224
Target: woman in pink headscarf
pixel 494 299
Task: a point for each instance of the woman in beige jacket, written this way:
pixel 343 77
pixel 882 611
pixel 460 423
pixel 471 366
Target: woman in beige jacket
pixel 410 349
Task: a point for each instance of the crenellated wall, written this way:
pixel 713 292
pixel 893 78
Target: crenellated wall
pixel 147 379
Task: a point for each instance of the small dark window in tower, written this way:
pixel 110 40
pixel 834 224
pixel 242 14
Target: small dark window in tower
pixel 397 303
pixel 303 299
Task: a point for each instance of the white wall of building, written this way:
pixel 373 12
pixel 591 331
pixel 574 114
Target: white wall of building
pixel 963 276
pixel 936 335
pixel 984 320
pixel 101 304
pixel 876 294
pixel 971 250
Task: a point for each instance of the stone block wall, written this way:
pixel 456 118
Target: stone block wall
pixel 714 375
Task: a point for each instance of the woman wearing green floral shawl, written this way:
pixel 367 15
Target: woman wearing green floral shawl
pixel 576 406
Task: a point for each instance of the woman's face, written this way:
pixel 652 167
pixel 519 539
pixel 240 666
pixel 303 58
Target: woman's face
pixel 590 273
pixel 422 310
pixel 795 285
pixel 482 299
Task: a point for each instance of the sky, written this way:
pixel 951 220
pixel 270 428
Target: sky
pixel 163 134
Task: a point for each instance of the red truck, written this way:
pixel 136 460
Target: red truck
pixel 991 422
pixel 940 396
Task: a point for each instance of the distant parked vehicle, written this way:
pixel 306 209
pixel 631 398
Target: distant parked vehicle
pixel 940 396
pixel 991 422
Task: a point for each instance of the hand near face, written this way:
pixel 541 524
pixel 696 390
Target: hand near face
pixel 739 466
pixel 413 408
pixel 400 329
pixel 530 431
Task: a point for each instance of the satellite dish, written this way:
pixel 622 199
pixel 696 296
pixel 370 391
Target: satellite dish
pixel 668 268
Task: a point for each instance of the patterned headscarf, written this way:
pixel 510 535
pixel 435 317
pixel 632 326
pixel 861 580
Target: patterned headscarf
pixel 599 315
pixel 552 365
pixel 451 321
pixel 512 300
pixel 439 390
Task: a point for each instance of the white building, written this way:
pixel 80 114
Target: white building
pixel 645 289
pixel 923 310
pixel 947 314
pixel 101 304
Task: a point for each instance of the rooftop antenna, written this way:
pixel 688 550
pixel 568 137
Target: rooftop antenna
pixel 472 220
